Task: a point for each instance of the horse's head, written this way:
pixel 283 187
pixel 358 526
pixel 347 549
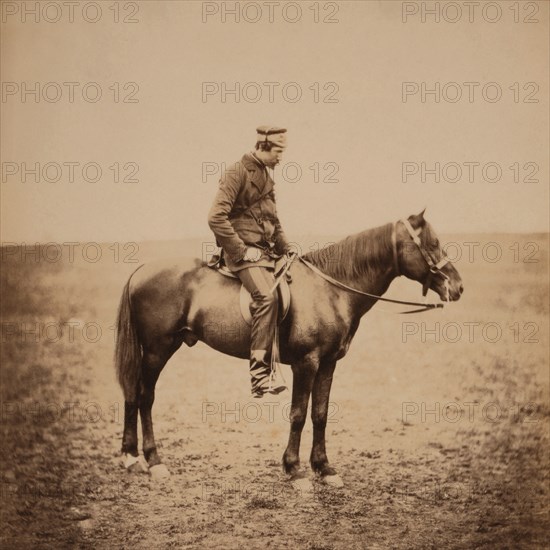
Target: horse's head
pixel 419 257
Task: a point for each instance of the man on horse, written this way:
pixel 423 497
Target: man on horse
pixel 244 220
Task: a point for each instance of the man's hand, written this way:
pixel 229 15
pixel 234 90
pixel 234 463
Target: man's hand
pixel 252 254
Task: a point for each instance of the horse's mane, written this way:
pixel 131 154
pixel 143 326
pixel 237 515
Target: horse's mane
pixel 356 255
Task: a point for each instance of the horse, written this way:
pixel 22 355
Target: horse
pixel 168 303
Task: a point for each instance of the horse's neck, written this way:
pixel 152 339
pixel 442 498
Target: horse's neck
pixel 374 279
pixel 364 262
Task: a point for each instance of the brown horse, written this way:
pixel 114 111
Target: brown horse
pixel 164 305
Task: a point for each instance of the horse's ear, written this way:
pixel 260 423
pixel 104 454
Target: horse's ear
pixel 417 220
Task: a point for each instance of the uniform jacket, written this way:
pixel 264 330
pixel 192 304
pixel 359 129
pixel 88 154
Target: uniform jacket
pixel 244 213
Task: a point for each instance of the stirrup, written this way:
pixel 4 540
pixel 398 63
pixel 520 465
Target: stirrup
pixel 267 385
pixel 260 391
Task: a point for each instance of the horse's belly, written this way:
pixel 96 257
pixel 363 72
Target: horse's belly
pixel 232 338
pixel 214 316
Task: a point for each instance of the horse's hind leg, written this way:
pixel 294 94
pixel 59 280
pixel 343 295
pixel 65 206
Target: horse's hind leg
pixel 319 413
pixel 132 462
pixel 152 365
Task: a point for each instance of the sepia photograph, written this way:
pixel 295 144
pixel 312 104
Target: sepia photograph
pixel 275 274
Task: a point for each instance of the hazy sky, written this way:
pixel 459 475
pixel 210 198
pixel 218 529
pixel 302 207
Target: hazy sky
pixel 178 131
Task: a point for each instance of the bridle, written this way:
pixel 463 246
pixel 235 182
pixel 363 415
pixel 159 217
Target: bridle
pixel 434 269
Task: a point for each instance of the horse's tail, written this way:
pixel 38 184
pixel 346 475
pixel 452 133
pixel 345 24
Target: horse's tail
pixel 128 348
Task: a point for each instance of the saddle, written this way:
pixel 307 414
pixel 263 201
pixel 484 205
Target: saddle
pixel 217 263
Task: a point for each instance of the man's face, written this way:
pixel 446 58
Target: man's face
pixel 273 157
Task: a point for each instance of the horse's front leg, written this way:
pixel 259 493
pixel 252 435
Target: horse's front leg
pixel 319 413
pixel 303 376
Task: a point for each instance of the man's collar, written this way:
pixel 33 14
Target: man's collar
pixel 261 179
pixel 250 160
pixel 260 162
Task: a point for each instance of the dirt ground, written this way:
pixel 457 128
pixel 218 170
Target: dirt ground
pixel 438 424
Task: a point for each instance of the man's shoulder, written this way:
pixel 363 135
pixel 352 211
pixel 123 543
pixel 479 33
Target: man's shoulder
pixel 236 171
pixel 240 169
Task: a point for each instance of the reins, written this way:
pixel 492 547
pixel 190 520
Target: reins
pixel 425 307
pixel 435 269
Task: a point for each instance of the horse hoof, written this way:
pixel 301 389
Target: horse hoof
pixel 159 471
pixel 303 486
pixel 135 464
pixel 333 481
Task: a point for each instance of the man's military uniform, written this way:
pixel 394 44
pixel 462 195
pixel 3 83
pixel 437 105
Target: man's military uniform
pixel 244 214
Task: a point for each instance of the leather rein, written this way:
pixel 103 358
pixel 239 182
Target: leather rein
pixel 435 269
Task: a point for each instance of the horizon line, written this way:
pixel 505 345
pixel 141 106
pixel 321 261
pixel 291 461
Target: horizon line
pixel 211 238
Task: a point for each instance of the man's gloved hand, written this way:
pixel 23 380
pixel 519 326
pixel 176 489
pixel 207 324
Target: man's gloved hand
pixel 252 254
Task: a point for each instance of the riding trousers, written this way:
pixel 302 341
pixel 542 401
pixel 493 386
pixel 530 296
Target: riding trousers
pixel 258 281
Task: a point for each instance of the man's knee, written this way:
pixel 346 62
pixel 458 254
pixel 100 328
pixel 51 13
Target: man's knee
pixel 265 299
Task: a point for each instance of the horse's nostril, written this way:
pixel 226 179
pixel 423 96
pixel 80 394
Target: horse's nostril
pixel 461 288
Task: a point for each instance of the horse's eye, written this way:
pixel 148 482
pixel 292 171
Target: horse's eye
pixel 436 243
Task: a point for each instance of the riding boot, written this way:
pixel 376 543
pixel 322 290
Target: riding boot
pixel 262 376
